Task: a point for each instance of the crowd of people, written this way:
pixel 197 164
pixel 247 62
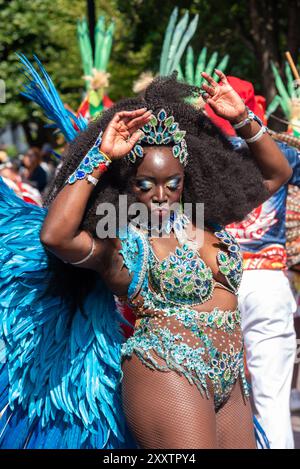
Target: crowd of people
pixel 29 174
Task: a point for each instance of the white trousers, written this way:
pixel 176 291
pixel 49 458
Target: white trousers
pixel 267 305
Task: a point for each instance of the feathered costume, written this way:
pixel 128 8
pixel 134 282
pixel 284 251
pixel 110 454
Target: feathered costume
pixel 95 68
pixel 58 380
pixel 60 372
pixel 288 99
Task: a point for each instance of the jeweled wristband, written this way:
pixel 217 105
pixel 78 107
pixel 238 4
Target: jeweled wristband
pixel 93 160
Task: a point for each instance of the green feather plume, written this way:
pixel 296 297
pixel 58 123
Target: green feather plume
pixel 176 39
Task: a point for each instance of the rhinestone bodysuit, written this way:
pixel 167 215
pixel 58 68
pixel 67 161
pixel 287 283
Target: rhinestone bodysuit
pixel 206 347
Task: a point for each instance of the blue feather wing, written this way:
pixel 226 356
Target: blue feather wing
pixel 59 384
pixel 41 90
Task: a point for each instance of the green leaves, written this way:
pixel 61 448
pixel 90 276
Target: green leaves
pixel 47 29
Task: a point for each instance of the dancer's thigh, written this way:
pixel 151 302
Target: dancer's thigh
pixel 234 419
pixel 164 410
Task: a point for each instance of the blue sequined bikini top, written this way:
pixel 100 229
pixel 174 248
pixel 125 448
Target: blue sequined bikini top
pixel 184 278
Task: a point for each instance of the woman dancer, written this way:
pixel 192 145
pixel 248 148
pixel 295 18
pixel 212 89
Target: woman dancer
pixel 183 378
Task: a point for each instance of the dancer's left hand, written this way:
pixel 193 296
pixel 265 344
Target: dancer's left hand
pixel 223 99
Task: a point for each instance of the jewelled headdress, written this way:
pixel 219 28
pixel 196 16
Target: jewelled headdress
pixel 162 130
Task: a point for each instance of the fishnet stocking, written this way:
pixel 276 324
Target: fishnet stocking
pixel 164 410
pixel 235 428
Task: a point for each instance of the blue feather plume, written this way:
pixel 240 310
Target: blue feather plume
pixel 41 90
pixel 59 383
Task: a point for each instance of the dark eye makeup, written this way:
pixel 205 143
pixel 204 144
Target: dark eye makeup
pixel 174 183
pixel 146 185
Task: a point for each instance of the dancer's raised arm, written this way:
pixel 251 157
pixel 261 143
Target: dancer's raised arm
pixel 226 103
pixel 61 232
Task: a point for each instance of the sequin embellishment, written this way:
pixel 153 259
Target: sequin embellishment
pixel 184 278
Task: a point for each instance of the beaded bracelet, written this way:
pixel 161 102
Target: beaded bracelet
pixel 257 136
pixel 251 117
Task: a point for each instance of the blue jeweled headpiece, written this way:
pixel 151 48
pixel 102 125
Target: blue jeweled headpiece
pixel 162 130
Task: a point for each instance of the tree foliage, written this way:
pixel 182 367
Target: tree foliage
pixel 253 32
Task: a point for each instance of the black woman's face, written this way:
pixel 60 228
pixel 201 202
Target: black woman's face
pixel 159 180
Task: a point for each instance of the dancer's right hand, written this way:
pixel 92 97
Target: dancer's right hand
pixel 123 132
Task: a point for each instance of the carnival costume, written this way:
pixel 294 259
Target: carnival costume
pixel 60 373
pixel 95 66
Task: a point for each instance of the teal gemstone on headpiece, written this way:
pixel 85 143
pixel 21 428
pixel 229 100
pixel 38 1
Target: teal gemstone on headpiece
pixel 162 130
pixel 138 150
pixel 176 151
pixel 182 157
pixel 132 156
pixel 173 127
pixel 169 121
pixel 179 135
pixel 150 140
pixel 153 121
pixel 162 115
